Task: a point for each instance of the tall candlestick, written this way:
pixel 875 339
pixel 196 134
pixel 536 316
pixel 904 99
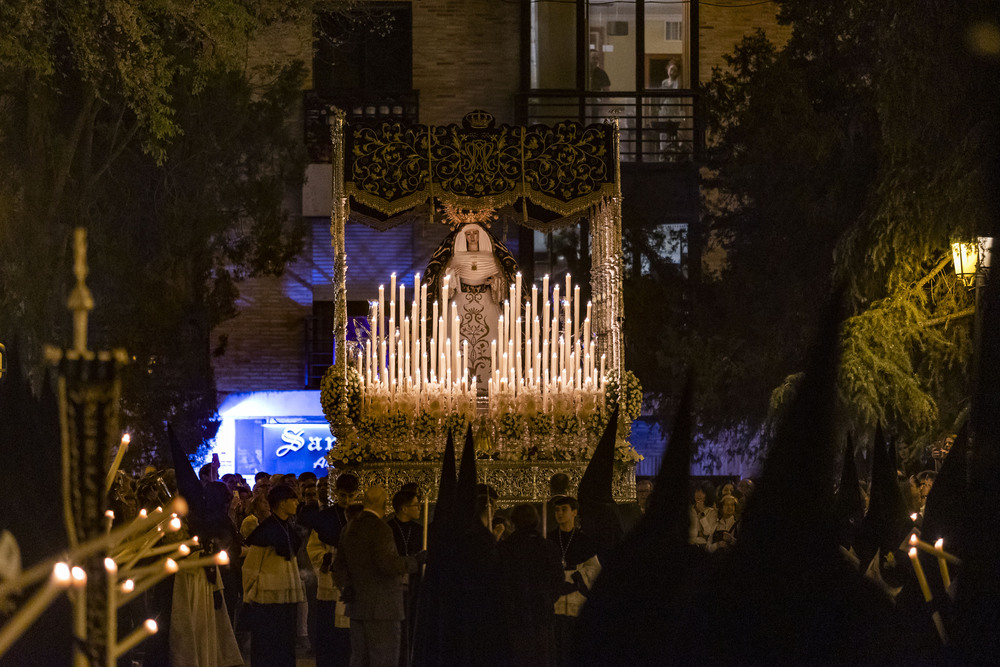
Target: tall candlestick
pixel 517 291
pixel 391 331
pixel 423 329
pixel 392 295
pixel 576 315
pixel 380 320
pixel 427 517
pixel 402 302
pixel 29 612
pixel 569 283
pixel 111 600
pixel 122 448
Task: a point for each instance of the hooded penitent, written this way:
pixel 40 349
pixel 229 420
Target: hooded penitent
pixel 849 505
pixel 638 608
pixel 598 515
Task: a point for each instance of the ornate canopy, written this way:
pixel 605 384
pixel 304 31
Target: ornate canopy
pixel 555 172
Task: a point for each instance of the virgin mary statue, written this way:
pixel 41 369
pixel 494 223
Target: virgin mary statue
pixel 479 269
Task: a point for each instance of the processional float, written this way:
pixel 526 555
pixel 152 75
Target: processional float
pixel 539 381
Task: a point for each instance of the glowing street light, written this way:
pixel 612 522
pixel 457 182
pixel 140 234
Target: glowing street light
pixel 972 258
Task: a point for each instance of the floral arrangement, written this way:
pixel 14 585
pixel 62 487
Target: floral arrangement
pixel 413 427
pixel 329 396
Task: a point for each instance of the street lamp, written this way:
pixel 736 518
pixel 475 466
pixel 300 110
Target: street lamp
pixel 972 261
pixel 972 258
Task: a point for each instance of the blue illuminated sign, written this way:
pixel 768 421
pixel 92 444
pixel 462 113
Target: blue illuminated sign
pixel 296 448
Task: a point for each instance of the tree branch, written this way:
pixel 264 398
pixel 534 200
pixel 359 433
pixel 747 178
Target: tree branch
pixel 947 318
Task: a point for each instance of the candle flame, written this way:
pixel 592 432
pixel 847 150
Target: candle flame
pixel 175 524
pixel 62 574
pixel 142 513
pixel 126 438
pixel 913 552
pixel 913 517
pixel 128 586
pixel 222 558
pixel 79 575
pixel 939 544
pixel 913 539
pixel 184 550
pixel 151 627
pixel 110 514
pixel 110 565
pixel 171 566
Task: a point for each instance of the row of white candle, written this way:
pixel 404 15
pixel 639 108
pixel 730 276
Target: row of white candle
pixel 400 356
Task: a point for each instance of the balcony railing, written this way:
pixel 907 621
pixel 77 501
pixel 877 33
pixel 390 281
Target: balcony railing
pixel 359 106
pixel 656 125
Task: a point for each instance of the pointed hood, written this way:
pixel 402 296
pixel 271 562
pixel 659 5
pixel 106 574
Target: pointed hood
pixel 654 569
pixel 887 521
pixel 947 510
pixel 595 487
pixel 668 504
pixel 849 506
pixel 446 488
pixel 188 484
pixel 792 506
pixel 465 487
pixel 598 514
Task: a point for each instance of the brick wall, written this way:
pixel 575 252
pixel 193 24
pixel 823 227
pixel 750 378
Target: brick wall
pixel 466 56
pixel 266 340
pixel 722 27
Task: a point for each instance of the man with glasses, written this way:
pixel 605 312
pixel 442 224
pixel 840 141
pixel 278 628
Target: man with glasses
pixel 408 533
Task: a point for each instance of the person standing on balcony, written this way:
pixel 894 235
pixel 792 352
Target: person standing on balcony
pixel 670 113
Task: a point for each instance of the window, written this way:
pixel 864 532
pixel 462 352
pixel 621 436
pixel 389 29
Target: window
pixel 673 32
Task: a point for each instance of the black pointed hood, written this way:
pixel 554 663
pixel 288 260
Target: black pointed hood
pixel 887 521
pixel 668 504
pixel 446 488
pixel 792 506
pixel 596 485
pixel 849 506
pixel 465 487
pixel 946 513
pixel 598 513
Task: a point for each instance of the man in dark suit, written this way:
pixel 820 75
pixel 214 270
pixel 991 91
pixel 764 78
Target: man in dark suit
pixel 368 569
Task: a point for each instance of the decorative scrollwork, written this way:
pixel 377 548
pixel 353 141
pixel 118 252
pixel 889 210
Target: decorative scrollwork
pixel 566 168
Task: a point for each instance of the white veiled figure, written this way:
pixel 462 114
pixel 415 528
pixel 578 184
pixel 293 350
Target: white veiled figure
pixel 478 286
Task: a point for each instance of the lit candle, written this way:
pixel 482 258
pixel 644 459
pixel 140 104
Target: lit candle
pixel 392 346
pixel 919 571
pixel 545 287
pixel 569 284
pixel 135 638
pixel 427 517
pixel 576 315
pixel 402 302
pixel 58 582
pixel 601 377
pixel 122 448
pixel 392 295
pixel 111 608
pixel 943 564
pixel 465 354
pixel 79 576
pixel 380 319
pixel 423 329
